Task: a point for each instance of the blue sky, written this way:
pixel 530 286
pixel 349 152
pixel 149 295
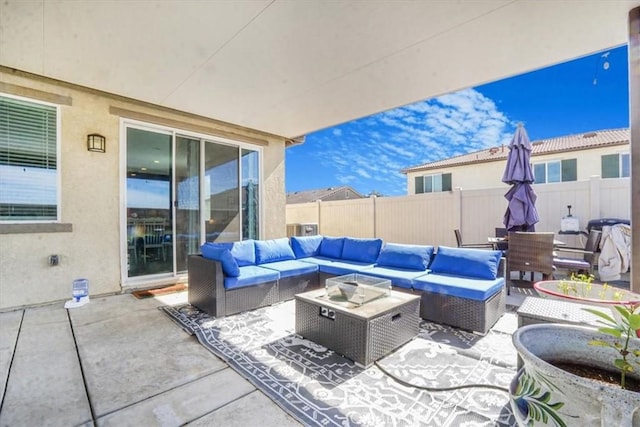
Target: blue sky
pixel 586 94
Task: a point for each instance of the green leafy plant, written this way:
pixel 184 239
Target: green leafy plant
pixel 623 327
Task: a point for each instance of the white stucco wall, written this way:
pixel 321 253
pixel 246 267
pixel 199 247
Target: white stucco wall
pixel 91 199
pixel 489 175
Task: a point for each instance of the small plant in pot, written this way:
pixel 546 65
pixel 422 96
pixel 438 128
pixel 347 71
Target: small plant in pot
pixel 623 326
pixel 579 288
pixel 579 375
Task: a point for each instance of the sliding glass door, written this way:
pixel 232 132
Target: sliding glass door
pixel 250 194
pixel 148 202
pixel 187 166
pixel 222 201
pixel 182 190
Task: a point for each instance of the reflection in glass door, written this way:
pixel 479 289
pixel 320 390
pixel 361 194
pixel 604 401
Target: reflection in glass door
pixel 250 194
pixel 187 177
pixel 222 202
pixel 148 198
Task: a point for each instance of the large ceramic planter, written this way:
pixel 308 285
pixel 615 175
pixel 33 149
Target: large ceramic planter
pixel 583 293
pixel 543 395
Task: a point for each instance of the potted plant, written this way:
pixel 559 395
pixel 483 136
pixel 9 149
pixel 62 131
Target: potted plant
pixel 579 288
pixel 562 381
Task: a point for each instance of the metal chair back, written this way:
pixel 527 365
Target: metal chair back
pixel 470 245
pixel 589 255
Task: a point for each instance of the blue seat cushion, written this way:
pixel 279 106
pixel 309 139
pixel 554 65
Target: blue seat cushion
pixel 229 265
pixel 476 263
pixel 291 267
pixel 361 250
pixel 458 286
pixel 412 257
pixel 273 250
pixel 336 266
pixel 251 275
pixel 400 277
pixel 340 268
pixel 244 252
pixel 318 260
pixel 305 246
pixel 331 247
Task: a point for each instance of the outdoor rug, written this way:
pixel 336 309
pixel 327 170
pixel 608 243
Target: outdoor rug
pixel 321 388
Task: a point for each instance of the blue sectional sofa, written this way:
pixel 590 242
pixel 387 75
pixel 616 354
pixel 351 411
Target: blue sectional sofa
pixel 458 286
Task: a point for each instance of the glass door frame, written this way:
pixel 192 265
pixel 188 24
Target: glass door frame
pixel 172 277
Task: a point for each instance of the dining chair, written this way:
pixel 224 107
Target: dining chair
pixel 501 232
pixel 586 264
pixel 470 245
pixel 154 231
pixel 530 251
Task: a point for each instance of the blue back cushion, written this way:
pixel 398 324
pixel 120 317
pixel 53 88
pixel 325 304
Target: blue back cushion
pixel 305 246
pixel 229 264
pixel 244 252
pixel 273 250
pixel 468 262
pixel 331 247
pixel 362 250
pixel 412 257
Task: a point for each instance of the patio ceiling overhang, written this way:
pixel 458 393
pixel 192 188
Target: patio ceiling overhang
pixel 293 67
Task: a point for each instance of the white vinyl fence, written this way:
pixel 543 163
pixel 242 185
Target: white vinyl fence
pixel 431 218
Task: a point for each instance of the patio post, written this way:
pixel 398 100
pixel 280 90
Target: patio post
pixel 634 143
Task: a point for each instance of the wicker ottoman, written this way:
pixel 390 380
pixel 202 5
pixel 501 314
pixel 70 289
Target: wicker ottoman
pixel 364 334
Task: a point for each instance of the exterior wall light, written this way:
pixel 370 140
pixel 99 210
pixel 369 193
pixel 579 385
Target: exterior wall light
pixel 96 142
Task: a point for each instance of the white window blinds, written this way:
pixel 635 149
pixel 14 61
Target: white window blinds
pixel 28 161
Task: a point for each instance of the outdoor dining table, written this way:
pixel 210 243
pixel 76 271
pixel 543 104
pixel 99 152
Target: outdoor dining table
pixel 495 241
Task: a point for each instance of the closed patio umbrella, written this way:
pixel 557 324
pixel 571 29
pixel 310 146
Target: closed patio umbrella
pixel 521 214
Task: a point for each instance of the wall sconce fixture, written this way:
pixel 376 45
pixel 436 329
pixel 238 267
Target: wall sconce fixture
pixel 96 142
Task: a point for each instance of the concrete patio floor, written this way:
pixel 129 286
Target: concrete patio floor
pixel 120 361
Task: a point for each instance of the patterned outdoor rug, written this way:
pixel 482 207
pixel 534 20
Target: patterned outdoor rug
pixel 319 387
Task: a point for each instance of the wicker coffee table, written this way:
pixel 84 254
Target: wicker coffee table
pixel 363 333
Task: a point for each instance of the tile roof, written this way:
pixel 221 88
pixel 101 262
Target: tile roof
pixel 561 144
pixel 319 194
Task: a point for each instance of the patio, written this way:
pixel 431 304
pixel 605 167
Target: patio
pixel 114 362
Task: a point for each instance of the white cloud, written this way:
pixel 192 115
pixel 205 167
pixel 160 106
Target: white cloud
pixel 369 153
pixel 362 172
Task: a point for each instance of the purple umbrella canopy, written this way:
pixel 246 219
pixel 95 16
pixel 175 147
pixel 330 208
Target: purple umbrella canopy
pixel 521 214
pixel 518 168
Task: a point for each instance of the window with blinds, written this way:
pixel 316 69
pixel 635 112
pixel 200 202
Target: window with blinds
pixel 28 160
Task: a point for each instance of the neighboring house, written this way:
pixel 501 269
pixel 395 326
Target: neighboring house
pixel 332 193
pixel 604 153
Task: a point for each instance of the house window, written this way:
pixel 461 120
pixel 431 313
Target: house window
pixel 433 183
pixel 29 179
pixel 615 165
pixel 556 171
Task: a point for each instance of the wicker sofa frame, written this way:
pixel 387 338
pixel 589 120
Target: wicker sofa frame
pixel 463 313
pixel 207 291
